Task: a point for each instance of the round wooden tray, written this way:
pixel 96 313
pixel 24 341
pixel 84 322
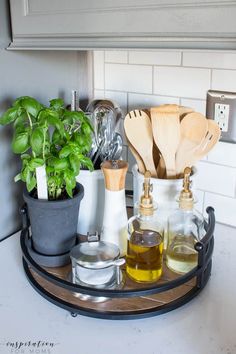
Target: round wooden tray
pixel 132 300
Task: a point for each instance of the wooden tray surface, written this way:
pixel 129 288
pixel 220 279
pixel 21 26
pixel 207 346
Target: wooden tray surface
pixel 115 305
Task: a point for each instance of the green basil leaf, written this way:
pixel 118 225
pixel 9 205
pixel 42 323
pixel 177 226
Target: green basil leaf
pixel 75 163
pixel 69 190
pixel 49 169
pixel 73 116
pixel 25 173
pixel 22 119
pixel 56 103
pixel 9 116
pixel 17 177
pixel 30 104
pixel 25 157
pixel 58 164
pixel 86 129
pixel 80 139
pixel 70 180
pixel 20 142
pixel 85 161
pixel 30 182
pixel 35 162
pixel 36 140
pixel 65 151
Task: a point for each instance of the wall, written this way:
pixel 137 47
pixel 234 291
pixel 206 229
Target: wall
pixel 138 79
pixel 43 75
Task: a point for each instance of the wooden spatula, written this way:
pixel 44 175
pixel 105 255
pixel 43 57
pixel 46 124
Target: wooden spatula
pixel 166 133
pixel 193 128
pixel 138 130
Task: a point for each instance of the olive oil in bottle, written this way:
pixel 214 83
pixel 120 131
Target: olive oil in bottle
pixel 144 256
pixel 185 228
pixel 145 241
pixel 181 256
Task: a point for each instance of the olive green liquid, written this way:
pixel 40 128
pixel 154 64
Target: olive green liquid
pixel 181 257
pixel 144 256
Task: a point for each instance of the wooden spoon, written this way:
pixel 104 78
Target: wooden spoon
pixel 193 128
pixel 140 163
pixel 183 111
pixel 138 130
pixel 211 138
pixel 166 133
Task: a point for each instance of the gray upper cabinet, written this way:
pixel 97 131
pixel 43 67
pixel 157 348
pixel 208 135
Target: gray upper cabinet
pixel 74 24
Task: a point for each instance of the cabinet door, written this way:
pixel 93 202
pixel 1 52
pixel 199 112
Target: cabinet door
pixel 124 23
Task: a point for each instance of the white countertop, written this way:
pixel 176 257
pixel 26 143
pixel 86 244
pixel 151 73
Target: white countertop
pixel 206 325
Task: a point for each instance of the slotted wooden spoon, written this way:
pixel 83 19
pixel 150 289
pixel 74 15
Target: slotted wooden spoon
pixel 166 133
pixel 211 138
pixel 138 130
pixel 193 128
pixel 140 163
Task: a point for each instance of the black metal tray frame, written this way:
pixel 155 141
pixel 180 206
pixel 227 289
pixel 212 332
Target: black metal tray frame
pixel 201 272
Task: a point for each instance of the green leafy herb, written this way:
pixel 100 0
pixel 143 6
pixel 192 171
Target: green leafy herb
pixel 52 136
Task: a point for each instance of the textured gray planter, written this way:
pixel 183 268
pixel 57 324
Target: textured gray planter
pixel 53 223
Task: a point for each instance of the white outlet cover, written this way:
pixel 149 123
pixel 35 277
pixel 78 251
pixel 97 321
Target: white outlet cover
pixel 222 116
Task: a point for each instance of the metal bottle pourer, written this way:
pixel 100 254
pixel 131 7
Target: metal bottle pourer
pixel 186 200
pixel 146 206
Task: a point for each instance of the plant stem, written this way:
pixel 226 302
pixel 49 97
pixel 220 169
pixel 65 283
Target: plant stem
pixel 30 121
pixel 44 140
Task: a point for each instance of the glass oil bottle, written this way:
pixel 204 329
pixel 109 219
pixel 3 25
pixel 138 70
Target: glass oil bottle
pixel 185 228
pixel 145 240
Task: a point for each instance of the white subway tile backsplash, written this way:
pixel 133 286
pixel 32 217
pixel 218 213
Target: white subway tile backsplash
pixel 223 154
pixel 182 82
pixel 155 57
pixel 142 79
pixel 216 179
pixel 197 105
pixel 128 78
pixel 116 56
pixel 218 60
pixel 225 208
pixel 98 69
pixel 138 101
pixel 224 80
pixel 119 97
pixel 98 94
pixel 199 198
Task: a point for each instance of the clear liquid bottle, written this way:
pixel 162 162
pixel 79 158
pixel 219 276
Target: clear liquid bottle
pixel 145 240
pixel 185 228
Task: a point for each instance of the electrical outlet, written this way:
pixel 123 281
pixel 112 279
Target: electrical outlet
pixel 222 116
pixel 221 107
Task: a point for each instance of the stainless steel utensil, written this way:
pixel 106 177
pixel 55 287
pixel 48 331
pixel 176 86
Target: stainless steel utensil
pixel 99 103
pixel 116 147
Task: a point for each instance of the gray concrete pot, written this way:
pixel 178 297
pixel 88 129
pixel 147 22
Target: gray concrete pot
pixel 54 223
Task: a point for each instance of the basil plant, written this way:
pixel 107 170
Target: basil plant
pixel 52 136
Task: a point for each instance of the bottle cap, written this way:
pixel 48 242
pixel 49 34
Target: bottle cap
pixel 186 200
pixel 146 206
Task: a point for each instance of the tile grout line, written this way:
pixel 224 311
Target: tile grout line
pixel 211 74
pixel 152 79
pixel 180 66
pixel 104 76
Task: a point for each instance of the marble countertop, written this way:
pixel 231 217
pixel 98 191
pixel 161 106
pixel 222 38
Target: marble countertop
pixel 206 325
